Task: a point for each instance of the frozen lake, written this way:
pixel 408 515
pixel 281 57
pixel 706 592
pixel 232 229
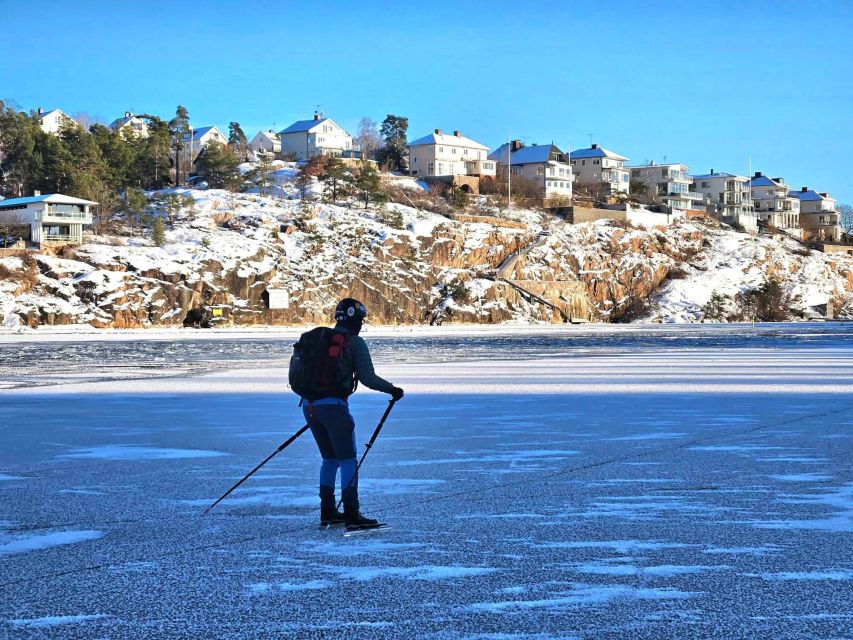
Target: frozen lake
pixel 642 482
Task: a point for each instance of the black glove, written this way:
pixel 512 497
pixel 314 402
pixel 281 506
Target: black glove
pixel 397 393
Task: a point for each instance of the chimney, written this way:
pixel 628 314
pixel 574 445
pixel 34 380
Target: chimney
pixel 40 110
pixel 36 193
pixel 316 115
pixel 595 146
pixel 457 134
pixel 438 131
pixel 712 172
pixel 515 145
pixel 758 174
pixel 127 114
pixel 804 189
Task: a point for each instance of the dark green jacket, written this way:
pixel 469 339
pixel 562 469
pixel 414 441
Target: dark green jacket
pixel 356 360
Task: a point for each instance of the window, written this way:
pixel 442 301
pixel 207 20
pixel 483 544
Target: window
pixel 414 159
pixel 430 168
pixel 596 162
pixel 440 168
pixel 453 151
pixel 705 185
pixel 551 171
pixel 540 171
pixel 441 149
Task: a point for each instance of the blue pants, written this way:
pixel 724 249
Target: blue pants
pixel 333 429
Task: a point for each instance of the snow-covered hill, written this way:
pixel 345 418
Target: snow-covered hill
pixel 408 265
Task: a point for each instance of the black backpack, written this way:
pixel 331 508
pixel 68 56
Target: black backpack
pixel 314 371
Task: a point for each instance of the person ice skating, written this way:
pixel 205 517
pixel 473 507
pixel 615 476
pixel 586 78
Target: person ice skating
pixel 343 362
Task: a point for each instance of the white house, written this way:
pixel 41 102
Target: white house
pixel 599 168
pixel 728 196
pixel 773 205
pixel 47 220
pixel 316 137
pixel 265 142
pixel 131 124
pixel 201 138
pixel 439 154
pixel 543 164
pixel 818 217
pixel 669 184
pixel 52 121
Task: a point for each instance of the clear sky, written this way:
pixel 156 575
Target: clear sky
pixel 708 83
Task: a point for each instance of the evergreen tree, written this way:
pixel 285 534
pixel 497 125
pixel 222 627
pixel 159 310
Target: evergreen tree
pixel 368 184
pixel 334 178
pixel 396 154
pixel 264 173
pixel 158 232
pixel 135 205
pixel 179 126
pixel 218 165
pixel 237 141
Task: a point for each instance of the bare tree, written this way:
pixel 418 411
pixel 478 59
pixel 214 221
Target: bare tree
pixel 845 217
pixel 368 138
pixel 12 226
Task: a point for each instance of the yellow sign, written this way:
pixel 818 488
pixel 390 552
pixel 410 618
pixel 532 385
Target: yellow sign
pixel 217 313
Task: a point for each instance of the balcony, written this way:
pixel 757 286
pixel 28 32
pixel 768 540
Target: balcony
pixel 59 238
pixel 63 216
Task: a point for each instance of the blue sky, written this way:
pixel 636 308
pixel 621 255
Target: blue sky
pixel 708 84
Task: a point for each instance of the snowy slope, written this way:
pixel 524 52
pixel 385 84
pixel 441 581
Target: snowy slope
pixel 411 266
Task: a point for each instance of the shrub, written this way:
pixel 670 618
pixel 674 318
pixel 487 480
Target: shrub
pixel 392 218
pixel 715 309
pixel 767 303
pixel 676 273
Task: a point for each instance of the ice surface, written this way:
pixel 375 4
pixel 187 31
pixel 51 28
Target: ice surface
pixel 23 544
pixel 53 621
pixel 620 483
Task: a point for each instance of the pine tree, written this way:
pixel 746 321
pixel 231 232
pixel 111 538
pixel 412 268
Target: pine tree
pixel 334 178
pixel 263 172
pixel 237 141
pixel 158 232
pixel 396 154
pixel 179 126
pixel 135 205
pixel 218 165
pixel 368 184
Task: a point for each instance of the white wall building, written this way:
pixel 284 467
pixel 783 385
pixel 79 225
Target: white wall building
pixel 728 196
pixel 818 216
pixel 54 120
pixel 47 220
pixel 265 142
pixel 439 154
pixel 131 125
pixel 773 206
pixel 316 137
pixel 669 184
pixel 543 164
pixel 201 138
pixel 597 167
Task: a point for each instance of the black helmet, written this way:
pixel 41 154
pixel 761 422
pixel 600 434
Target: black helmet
pixel 349 309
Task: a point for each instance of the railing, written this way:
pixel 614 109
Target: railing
pixel 64 215
pixel 59 237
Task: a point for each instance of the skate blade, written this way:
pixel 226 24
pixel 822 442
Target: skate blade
pixel 349 533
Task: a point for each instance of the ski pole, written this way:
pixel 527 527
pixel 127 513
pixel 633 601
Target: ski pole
pixel 367 448
pixel 281 448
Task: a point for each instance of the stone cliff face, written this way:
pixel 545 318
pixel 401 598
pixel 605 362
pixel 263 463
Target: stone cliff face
pixel 218 264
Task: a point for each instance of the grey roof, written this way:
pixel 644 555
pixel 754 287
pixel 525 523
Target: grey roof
pixel 199 133
pixel 449 140
pixel 532 154
pixel 597 152
pixel 764 181
pixel 810 195
pixel 705 176
pixel 54 198
pixel 303 125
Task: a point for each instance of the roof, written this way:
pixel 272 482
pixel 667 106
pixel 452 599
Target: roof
pixel 56 111
pixel 706 176
pixel 449 140
pixel 532 154
pixel 303 125
pixel 199 133
pixel 597 152
pixel 269 135
pixel 810 196
pixel 118 123
pixel 50 198
pixel 764 181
